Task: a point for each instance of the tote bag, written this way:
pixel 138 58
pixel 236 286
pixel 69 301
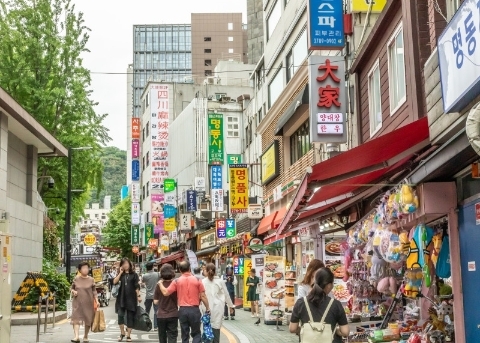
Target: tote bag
pixel 316 332
pixel 443 268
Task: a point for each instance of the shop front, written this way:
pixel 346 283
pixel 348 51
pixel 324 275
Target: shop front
pixel 207 247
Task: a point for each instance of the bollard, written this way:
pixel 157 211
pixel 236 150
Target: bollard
pixel 46 314
pixel 54 309
pixel 38 319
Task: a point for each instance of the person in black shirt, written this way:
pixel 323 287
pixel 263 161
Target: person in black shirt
pixel 318 301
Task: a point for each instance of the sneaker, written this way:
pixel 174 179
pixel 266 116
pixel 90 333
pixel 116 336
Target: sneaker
pixel 155 329
pixel 253 315
pixel 232 318
pixel 225 318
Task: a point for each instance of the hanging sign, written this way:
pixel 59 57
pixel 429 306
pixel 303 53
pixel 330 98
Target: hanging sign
pixel 185 222
pixel 200 184
pixel 135 170
pixel 148 232
pixel 169 185
pixel 238 265
pixel 221 228
pixel 325 25
pixel 89 239
pixel 169 211
pixel 373 6
pixel 136 128
pixel 165 243
pixel 215 139
pixel 135 192
pixel 135 148
pixel 191 200
pixel 238 188
pixel 159 135
pixel 217 200
pixel 153 243
pixel 169 224
pixel 216 177
pixel 255 211
pixel 231 228
pixel 135 235
pixel 135 213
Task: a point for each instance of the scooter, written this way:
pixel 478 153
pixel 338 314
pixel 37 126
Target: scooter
pixel 102 293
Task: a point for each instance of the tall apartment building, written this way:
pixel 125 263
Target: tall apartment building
pixel 255 40
pixel 160 52
pixel 216 36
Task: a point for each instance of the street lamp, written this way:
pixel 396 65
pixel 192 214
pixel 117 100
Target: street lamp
pixel 68 215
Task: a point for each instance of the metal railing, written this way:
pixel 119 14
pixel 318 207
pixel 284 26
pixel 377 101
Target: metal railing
pixel 41 307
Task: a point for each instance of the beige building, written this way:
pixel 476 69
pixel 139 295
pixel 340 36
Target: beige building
pixel 216 36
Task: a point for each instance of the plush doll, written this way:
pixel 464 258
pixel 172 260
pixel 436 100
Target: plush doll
pixel 379 266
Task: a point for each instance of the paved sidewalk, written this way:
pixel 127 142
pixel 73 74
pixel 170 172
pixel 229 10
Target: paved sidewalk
pixel 246 331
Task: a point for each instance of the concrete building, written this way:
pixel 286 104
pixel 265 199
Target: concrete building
pixel 216 36
pixel 129 104
pixel 22 141
pixel 255 34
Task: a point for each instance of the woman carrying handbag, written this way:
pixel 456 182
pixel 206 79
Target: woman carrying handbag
pixel 323 319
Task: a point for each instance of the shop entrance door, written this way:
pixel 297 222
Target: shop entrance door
pixel 469 225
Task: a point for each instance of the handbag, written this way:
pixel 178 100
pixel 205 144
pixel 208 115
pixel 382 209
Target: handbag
pixel 142 321
pixel 99 324
pixel 116 289
pixel 259 289
pixel 316 332
pixel 443 268
pixel 69 304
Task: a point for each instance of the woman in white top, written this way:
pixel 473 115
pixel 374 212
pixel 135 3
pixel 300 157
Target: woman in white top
pixel 306 285
pixel 217 295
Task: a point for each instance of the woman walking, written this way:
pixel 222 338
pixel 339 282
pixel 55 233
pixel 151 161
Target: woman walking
pixel 167 310
pixel 252 296
pixel 217 295
pixel 319 304
pixel 128 297
pixel 84 302
pixel 306 285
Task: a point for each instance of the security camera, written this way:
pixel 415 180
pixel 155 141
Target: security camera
pixel 51 182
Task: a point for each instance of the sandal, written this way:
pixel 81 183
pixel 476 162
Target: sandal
pixel 129 339
pixel 75 341
pixel 121 338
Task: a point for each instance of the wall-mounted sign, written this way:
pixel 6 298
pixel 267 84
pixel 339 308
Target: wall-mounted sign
pixel 200 184
pixel 234 158
pixel 149 233
pixel 217 200
pixel 135 170
pixel 216 181
pixel 325 25
pixel 207 239
pixel 135 191
pixel 136 128
pixel 238 265
pixel 374 6
pixel 135 235
pixel 159 124
pixel 458 58
pixel 238 188
pixel 135 148
pixel 255 211
pixel 169 224
pixel 165 243
pixel 157 204
pixel 215 139
pixel 328 98
pixel 89 239
pixel 231 228
pixel 169 185
pixel 191 200
pixel 255 244
pixel 270 163
pixel 135 213
pixel 221 228
pixel 185 222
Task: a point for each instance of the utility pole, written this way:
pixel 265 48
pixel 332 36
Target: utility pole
pixel 68 215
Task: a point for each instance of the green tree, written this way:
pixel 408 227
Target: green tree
pixel 118 229
pixel 114 163
pixel 41 47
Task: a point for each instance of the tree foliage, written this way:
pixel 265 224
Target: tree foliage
pixel 41 47
pixel 116 233
pixel 114 163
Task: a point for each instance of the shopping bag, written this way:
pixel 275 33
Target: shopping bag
pixel 207 335
pixel 69 308
pixel 142 321
pixel 99 322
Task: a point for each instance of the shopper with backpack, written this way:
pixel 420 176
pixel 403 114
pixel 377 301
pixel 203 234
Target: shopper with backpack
pixel 323 319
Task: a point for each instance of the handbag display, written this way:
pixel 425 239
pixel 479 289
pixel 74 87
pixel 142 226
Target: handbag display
pixel 316 332
pixel 99 324
pixel 142 321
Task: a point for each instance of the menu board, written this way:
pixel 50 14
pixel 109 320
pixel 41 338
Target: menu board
pixel 258 262
pixel 274 289
pixel 334 259
pixel 308 254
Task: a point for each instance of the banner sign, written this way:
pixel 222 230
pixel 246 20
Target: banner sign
pixel 148 232
pixel 135 192
pixel 231 228
pixel 135 170
pixel 191 200
pixel 238 265
pixel 238 188
pixel 325 25
pixel 159 124
pixel 169 185
pixel 215 138
pixel 157 201
pixel 185 222
pixel 169 211
pixel 216 177
pixel 221 228
pixel 135 235
pixel 165 243
pixel 169 224
pixel 328 99
pixel 246 273
pixel 135 148
pixel 136 128
pixel 135 213
pixel 217 200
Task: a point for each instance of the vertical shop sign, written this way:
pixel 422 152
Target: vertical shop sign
pixel 135 213
pixel 159 124
pixel 135 170
pixel 246 273
pixel 325 25
pixel 238 188
pixel 328 97
pixel 217 200
pixel 216 177
pixel 136 128
pixel 135 235
pixel 233 159
pixel 221 228
pixel 185 222
pixel 238 265
pixel 169 224
pixel 135 192
pixel 231 228
pixel 135 148
pixel 157 200
pixel 191 200
pixel 148 232
pixel 215 139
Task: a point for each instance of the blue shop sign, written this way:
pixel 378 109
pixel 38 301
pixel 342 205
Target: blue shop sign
pixel 216 177
pixel 325 25
pixel 135 170
pixel 191 200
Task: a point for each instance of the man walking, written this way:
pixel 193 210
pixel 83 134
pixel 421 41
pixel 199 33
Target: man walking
pixel 190 291
pixel 150 280
pixel 230 281
pixel 198 273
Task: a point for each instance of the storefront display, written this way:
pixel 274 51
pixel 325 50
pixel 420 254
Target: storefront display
pixel 274 289
pixel 258 261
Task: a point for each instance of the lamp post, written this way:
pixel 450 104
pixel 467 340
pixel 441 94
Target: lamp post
pixel 68 215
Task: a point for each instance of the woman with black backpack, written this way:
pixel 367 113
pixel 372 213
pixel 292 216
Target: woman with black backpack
pixel 323 318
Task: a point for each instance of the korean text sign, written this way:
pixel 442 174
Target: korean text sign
pixel 216 177
pixel 238 188
pixel 459 58
pixel 148 232
pixel 159 124
pixel 217 200
pixel 325 25
pixel 135 213
pixel 158 203
pixel 191 200
pixel 215 139
pixel 136 128
pixel 328 99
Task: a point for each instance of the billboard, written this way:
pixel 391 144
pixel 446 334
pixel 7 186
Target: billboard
pixel 159 124
pixel 238 188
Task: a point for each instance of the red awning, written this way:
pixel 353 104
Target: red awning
pixel 273 238
pixel 336 180
pixel 266 223
pixel 279 217
pixel 172 257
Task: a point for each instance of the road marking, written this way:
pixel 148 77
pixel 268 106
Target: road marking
pixel 62 321
pixel 231 338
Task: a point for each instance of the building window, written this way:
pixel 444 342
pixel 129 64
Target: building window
pixel 207 51
pixel 208 63
pixel 300 143
pixel 232 127
pixel 275 87
pixel 396 70
pixel 230 26
pixel 260 75
pixel 148 188
pixel 273 18
pixel 297 55
pixel 148 158
pixel 147 130
pixel 230 39
pixel 207 39
pixel 230 51
pixel 143 192
pixel 143 135
pixel 208 73
pixel 219 96
pixel 143 163
pixel 374 99
pixel 146 100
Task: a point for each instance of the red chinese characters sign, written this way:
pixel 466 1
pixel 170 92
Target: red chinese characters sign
pixel 159 123
pixel 328 99
pixel 238 188
pixel 136 128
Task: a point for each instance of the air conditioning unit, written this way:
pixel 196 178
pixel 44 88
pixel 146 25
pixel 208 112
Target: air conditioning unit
pixel 210 80
pixel 225 99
